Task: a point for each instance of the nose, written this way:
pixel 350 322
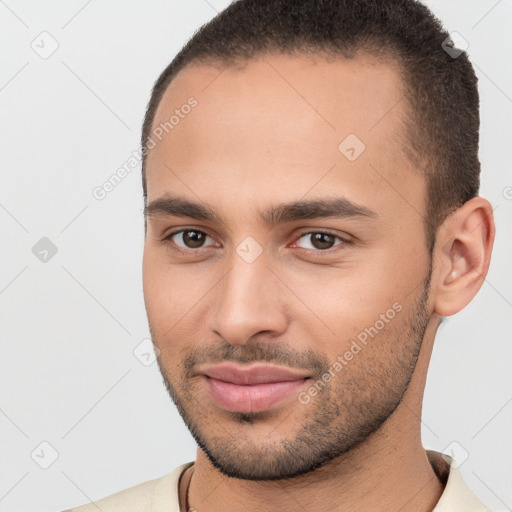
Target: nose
pixel 249 300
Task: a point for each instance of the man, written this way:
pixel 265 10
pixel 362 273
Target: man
pixel 311 182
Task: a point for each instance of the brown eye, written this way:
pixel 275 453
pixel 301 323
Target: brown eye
pixel 190 238
pixel 321 241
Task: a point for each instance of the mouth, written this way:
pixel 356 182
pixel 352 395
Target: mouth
pixel 251 397
pixel 253 388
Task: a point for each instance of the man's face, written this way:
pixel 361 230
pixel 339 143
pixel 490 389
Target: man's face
pixel 350 304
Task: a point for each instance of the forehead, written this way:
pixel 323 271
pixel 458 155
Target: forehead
pixel 340 94
pixel 283 120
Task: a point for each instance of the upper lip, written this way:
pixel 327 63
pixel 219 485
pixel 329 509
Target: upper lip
pixel 254 374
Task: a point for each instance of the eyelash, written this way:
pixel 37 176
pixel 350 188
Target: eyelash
pixel 167 240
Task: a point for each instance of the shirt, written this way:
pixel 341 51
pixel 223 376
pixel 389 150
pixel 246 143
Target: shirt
pixel 161 494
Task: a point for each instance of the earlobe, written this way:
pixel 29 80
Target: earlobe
pixel 462 255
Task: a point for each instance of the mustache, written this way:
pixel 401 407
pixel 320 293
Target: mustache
pixel 274 352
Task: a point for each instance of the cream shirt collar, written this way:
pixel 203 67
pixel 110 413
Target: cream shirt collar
pixel 456 497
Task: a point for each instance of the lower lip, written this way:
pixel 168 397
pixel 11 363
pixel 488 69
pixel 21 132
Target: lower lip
pixel 256 398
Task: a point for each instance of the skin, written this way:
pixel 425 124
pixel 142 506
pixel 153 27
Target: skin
pixel 268 133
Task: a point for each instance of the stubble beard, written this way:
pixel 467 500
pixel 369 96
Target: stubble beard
pixel 342 416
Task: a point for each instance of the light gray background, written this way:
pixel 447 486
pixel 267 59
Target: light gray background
pixel 69 326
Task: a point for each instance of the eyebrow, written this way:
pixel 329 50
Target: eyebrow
pixel 337 207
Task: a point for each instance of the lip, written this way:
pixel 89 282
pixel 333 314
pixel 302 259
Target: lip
pixel 251 389
pixel 252 375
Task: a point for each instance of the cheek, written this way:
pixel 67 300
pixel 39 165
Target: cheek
pixel 174 296
pixel 151 286
pixel 165 285
pixel 370 296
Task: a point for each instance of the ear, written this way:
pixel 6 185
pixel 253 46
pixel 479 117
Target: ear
pixel 462 255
